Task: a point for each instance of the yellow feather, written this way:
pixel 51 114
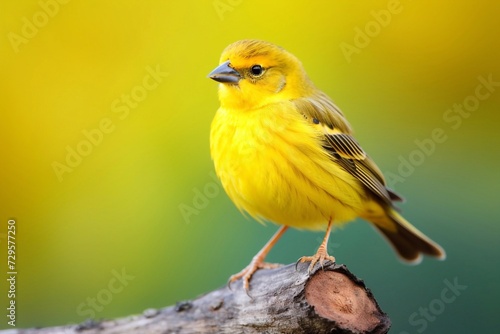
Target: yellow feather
pixel 272 165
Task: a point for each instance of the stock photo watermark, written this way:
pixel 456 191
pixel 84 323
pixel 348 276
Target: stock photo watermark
pixel 425 315
pixel 225 6
pixel 453 117
pixel 31 26
pixel 201 198
pixel 120 108
pixel 116 284
pixel 363 36
pixel 11 272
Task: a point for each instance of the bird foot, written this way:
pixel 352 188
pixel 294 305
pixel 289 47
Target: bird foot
pixel 246 274
pixel 320 256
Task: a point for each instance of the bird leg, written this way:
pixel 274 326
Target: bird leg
pixel 258 261
pixel 322 254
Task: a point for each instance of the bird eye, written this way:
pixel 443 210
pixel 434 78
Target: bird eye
pixel 256 70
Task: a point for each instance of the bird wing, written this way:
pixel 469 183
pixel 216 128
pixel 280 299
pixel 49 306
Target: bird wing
pixel 343 149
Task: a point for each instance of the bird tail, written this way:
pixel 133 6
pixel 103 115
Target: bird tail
pixel 407 240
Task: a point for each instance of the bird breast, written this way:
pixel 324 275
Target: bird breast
pixel 272 165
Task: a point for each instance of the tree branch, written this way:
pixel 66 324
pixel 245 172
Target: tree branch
pixel 283 300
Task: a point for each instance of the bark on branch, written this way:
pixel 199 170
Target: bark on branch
pixel 283 300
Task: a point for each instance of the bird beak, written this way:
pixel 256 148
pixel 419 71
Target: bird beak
pixel 225 74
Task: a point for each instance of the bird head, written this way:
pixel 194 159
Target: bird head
pixel 254 73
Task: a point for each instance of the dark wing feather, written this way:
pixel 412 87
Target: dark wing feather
pixel 346 146
pixel 346 152
pixel 342 146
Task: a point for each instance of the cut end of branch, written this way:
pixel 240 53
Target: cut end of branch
pixel 339 296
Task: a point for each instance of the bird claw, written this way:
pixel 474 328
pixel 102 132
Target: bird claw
pixel 247 273
pixel 320 257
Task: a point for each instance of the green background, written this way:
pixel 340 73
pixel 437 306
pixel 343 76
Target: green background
pixel 121 207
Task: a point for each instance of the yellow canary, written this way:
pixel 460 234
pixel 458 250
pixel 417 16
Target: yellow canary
pixel 285 153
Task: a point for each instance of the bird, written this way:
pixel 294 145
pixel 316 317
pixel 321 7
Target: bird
pixel 286 154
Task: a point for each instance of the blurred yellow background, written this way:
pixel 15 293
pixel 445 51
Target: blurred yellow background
pixel 105 115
